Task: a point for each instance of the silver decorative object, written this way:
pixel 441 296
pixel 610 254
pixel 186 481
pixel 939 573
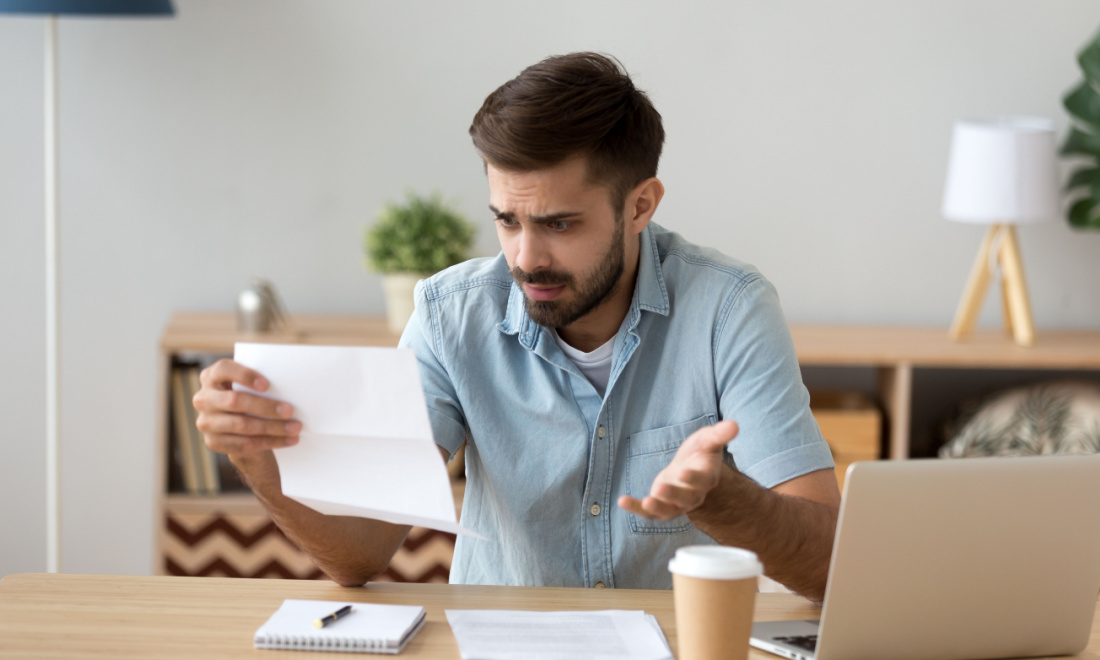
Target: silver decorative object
pixel 259 309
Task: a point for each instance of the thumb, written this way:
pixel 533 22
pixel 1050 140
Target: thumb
pixel 713 439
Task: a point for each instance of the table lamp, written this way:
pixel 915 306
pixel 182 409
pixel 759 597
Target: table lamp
pixel 52 8
pixel 1001 173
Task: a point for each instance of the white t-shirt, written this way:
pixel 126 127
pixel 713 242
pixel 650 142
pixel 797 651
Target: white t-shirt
pixel 596 366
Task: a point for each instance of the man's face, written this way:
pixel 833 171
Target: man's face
pixel 563 241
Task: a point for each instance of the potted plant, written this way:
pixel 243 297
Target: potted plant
pixel 411 241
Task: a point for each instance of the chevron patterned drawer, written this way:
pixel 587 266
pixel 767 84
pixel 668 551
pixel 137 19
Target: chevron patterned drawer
pixel 240 540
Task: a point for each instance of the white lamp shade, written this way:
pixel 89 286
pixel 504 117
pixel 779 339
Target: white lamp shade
pixel 1002 170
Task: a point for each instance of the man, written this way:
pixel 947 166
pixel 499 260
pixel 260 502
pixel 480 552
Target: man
pixel 594 368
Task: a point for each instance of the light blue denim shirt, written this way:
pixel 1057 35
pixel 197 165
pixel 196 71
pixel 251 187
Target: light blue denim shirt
pixel 547 458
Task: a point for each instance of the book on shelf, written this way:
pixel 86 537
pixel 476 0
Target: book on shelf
pixel 211 482
pixel 195 469
pixel 181 423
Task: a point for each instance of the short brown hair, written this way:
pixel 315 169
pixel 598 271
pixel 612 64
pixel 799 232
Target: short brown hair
pixel 581 104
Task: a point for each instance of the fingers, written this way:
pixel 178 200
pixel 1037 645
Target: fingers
pixel 238 422
pixel 232 433
pixel 667 499
pixel 682 487
pixel 238 434
pixel 229 424
pixel 247 444
pixel 661 510
pixel 686 493
pixel 712 439
pixel 223 373
pixel 632 505
pixel 649 507
pixel 236 401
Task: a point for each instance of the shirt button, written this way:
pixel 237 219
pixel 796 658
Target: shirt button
pixel 594 509
pixel 601 432
pixel 601 585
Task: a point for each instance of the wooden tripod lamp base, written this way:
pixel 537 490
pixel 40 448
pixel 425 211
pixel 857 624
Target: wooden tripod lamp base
pixel 1017 307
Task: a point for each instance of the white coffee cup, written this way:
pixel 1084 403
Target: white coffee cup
pixel 714 589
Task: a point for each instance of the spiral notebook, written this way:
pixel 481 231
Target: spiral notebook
pixel 369 628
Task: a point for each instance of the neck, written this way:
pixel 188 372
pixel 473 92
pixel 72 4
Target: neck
pixel 595 328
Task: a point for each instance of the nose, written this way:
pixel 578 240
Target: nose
pixel 533 254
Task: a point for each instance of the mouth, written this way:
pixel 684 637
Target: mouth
pixel 543 293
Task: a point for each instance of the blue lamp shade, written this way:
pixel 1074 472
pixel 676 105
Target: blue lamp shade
pixel 86 7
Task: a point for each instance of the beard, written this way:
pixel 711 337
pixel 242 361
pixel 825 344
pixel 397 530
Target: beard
pixel 596 286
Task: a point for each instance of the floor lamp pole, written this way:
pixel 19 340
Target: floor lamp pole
pixel 53 299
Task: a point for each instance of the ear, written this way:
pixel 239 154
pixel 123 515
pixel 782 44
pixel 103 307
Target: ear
pixel 642 203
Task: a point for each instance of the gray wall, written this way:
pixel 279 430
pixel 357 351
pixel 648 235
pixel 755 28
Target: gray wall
pixel 259 137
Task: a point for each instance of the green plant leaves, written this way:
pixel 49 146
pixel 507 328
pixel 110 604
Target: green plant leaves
pixel 1083 102
pixel 1088 177
pixel 422 235
pixel 1083 213
pixel 1079 142
pixel 1089 59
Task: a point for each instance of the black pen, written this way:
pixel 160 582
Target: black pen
pixel 340 613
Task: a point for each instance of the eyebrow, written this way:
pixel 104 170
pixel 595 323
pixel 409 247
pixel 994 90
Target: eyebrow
pixel 536 219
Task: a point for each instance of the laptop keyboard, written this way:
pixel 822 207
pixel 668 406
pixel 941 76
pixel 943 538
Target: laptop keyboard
pixel 808 642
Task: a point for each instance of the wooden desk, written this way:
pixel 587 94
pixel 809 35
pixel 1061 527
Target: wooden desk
pixel 85 616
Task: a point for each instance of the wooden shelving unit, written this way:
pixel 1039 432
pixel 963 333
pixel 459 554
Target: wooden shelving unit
pixel 893 354
pixel 896 352
pixel 216 332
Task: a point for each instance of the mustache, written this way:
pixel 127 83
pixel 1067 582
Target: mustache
pixel 541 277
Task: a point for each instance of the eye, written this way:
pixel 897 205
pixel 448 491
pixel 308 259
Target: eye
pixel 558 225
pixel 506 222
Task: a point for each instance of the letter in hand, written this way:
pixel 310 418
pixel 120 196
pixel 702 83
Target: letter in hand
pixel 695 470
pixel 239 423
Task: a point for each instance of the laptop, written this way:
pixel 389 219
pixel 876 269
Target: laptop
pixel 957 559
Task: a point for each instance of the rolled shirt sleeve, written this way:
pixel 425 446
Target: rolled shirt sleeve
pixel 444 411
pixel 760 387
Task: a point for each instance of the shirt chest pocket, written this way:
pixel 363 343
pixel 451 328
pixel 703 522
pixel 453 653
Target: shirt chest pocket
pixel 649 452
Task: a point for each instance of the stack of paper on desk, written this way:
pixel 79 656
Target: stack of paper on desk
pixel 366 444
pixel 519 635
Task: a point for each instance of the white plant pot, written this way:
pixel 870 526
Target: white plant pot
pixel 398 290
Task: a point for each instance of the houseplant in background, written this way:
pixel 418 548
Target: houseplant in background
pixel 409 242
pixel 1083 141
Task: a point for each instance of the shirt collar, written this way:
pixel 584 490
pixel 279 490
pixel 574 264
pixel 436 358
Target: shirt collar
pixel 650 293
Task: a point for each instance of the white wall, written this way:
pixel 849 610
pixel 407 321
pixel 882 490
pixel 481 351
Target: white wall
pixel 258 138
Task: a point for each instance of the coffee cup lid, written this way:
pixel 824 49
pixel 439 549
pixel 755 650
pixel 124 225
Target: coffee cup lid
pixel 715 562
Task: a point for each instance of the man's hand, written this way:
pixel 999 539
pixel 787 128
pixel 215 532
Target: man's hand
pixel 238 423
pixel 247 427
pixel 694 471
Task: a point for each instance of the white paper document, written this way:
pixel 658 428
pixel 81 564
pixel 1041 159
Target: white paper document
pixel 517 635
pixel 366 446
